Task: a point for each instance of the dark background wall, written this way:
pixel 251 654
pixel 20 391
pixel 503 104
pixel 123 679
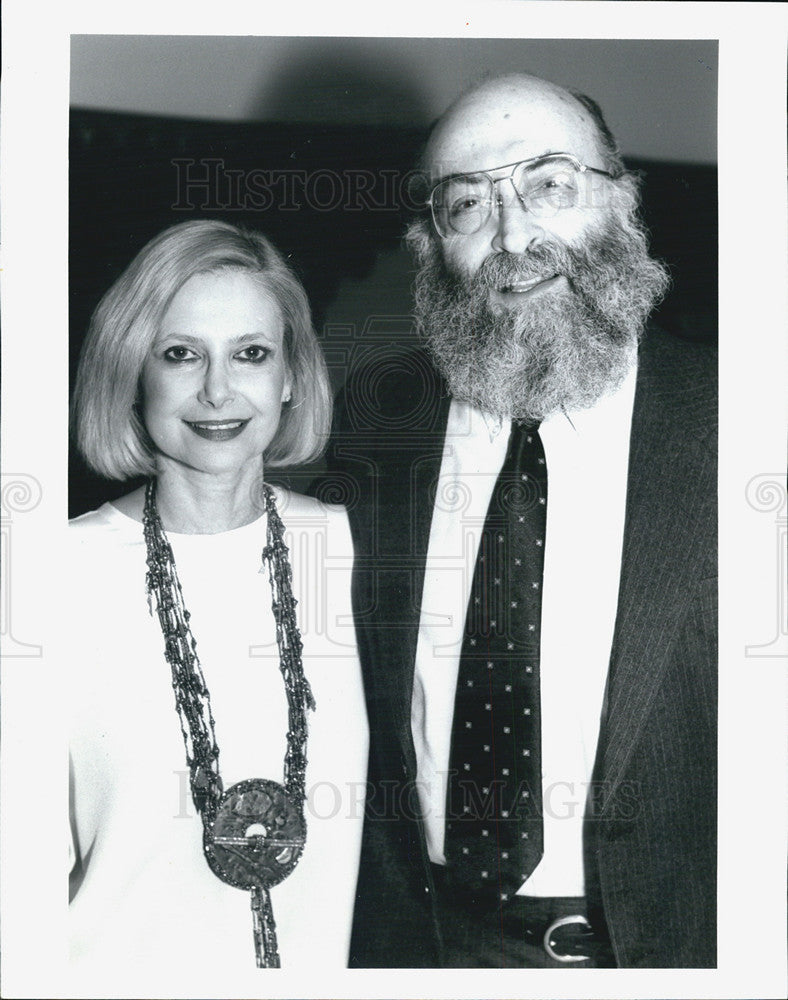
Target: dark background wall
pixel 659 96
pixel 312 141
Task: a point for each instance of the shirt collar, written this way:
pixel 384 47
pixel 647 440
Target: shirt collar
pixel 611 409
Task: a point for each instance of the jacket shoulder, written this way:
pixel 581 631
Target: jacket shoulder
pixel 678 383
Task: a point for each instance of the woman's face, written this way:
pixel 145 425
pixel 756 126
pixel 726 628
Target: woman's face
pixel 216 375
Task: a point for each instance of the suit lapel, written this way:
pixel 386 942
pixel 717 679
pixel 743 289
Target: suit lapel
pixel 406 501
pixel 669 531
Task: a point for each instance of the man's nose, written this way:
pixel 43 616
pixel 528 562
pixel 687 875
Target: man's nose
pixel 517 230
pixel 216 389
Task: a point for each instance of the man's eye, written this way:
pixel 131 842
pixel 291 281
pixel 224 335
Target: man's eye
pixel 253 353
pixel 561 181
pixel 556 191
pixel 464 206
pixel 178 353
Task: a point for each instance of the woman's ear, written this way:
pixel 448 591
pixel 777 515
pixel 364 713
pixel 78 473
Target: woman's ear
pixel 287 388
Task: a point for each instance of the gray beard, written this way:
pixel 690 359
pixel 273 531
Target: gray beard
pixel 561 350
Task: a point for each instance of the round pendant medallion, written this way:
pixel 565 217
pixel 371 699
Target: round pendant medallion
pixel 257 837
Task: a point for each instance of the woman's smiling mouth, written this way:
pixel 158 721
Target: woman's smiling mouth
pixel 217 430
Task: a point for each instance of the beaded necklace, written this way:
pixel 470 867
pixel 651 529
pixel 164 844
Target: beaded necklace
pixel 254 833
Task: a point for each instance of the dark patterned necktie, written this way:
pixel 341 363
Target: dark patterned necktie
pixel 494 836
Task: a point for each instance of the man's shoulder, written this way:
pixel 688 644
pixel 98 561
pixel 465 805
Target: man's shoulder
pixel 663 355
pixel 671 366
pixel 677 388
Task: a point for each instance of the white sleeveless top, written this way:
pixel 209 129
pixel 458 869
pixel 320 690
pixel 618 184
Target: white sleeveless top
pixel 148 916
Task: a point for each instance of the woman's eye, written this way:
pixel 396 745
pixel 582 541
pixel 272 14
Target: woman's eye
pixel 178 353
pixel 253 353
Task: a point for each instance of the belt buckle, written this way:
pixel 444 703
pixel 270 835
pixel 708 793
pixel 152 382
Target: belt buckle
pixel 563 922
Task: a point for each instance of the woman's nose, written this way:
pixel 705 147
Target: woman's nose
pixel 216 389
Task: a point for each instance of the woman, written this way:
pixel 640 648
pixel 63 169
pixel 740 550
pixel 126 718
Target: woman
pixel 195 710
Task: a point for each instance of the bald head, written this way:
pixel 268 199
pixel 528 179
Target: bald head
pixel 534 282
pixel 513 117
pixel 505 121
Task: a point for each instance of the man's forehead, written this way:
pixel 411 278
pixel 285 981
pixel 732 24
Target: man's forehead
pixel 499 124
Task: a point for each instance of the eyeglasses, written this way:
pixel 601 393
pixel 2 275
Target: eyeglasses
pixel 544 185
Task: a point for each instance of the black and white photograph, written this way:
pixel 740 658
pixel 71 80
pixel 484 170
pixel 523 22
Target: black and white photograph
pixel 394 503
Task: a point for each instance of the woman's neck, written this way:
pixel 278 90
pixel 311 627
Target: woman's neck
pixel 199 503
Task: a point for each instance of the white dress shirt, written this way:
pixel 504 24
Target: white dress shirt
pixel 587 456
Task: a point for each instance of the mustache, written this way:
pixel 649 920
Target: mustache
pixel 504 268
pixel 589 265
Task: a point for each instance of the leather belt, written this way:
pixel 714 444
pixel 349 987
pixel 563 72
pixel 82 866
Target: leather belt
pixel 559 927
pixel 566 939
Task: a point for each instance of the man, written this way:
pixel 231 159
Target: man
pixel 542 776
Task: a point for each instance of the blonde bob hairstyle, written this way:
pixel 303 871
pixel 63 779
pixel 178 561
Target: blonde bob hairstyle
pixel 106 418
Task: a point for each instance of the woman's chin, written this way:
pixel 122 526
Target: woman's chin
pixel 226 467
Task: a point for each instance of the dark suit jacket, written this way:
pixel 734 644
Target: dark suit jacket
pixel 651 828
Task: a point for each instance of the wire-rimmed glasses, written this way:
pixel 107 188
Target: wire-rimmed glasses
pixel 461 204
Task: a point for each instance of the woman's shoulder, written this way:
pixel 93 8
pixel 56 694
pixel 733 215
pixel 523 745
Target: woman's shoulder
pixel 308 516
pixel 115 519
pixel 299 506
pixel 106 551
pixel 92 522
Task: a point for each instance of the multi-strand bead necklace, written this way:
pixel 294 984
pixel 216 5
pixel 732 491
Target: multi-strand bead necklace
pixel 254 833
